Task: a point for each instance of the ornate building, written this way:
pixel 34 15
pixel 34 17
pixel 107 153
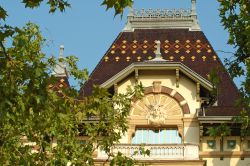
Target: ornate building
pixel 168 53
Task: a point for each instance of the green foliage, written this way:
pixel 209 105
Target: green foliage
pixel 3 13
pixel 235 17
pixel 243 119
pixel 54 4
pixel 219 131
pixel 120 159
pixel 61 5
pixel 31 112
pixel 118 5
pixel 215 80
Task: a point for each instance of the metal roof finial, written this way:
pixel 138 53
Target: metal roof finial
pixel 158 57
pixel 158 49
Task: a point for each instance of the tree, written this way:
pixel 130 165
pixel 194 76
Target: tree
pixel 32 111
pixel 118 5
pixel 220 131
pixel 235 17
pixel 34 116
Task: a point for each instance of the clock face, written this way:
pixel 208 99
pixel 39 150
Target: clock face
pixel 156 107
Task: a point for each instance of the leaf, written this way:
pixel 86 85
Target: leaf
pixel 3 13
pixel 118 5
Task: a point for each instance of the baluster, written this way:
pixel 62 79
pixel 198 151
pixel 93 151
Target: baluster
pixel 158 13
pixel 138 150
pixel 143 14
pixel 123 149
pixel 170 13
pixel 183 152
pixel 179 151
pixel 162 151
pixel 152 150
pixel 128 150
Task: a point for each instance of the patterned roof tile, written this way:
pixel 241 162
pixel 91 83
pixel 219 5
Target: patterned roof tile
pixel 193 50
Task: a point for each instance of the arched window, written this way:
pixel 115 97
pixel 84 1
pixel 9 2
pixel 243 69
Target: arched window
pixel 156 136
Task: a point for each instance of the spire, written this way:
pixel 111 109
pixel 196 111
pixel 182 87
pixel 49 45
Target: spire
pixel 60 68
pixel 131 10
pixel 195 25
pixel 130 17
pixel 193 9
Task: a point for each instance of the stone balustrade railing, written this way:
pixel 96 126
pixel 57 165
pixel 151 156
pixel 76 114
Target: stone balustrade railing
pixel 161 13
pixel 165 151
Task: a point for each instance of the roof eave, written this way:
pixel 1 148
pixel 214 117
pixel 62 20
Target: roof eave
pixel 215 119
pixel 157 65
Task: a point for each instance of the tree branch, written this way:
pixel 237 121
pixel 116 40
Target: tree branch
pixel 226 52
pixel 4 51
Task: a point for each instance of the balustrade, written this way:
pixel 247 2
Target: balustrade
pixel 161 13
pixel 177 152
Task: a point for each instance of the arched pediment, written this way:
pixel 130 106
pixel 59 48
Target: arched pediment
pixel 156 108
pixel 160 103
pixel 158 89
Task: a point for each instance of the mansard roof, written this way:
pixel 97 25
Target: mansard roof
pixel 177 45
pixel 181 41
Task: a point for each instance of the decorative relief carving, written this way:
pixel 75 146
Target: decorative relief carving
pixel 156 115
pixel 156 108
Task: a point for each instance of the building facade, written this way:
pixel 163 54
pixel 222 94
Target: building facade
pixel 166 51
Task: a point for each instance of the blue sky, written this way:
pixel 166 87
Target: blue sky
pixel 87 29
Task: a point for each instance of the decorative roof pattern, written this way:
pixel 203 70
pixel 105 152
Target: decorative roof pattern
pixel 178 45
pixel 172 49
pixel 60 83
